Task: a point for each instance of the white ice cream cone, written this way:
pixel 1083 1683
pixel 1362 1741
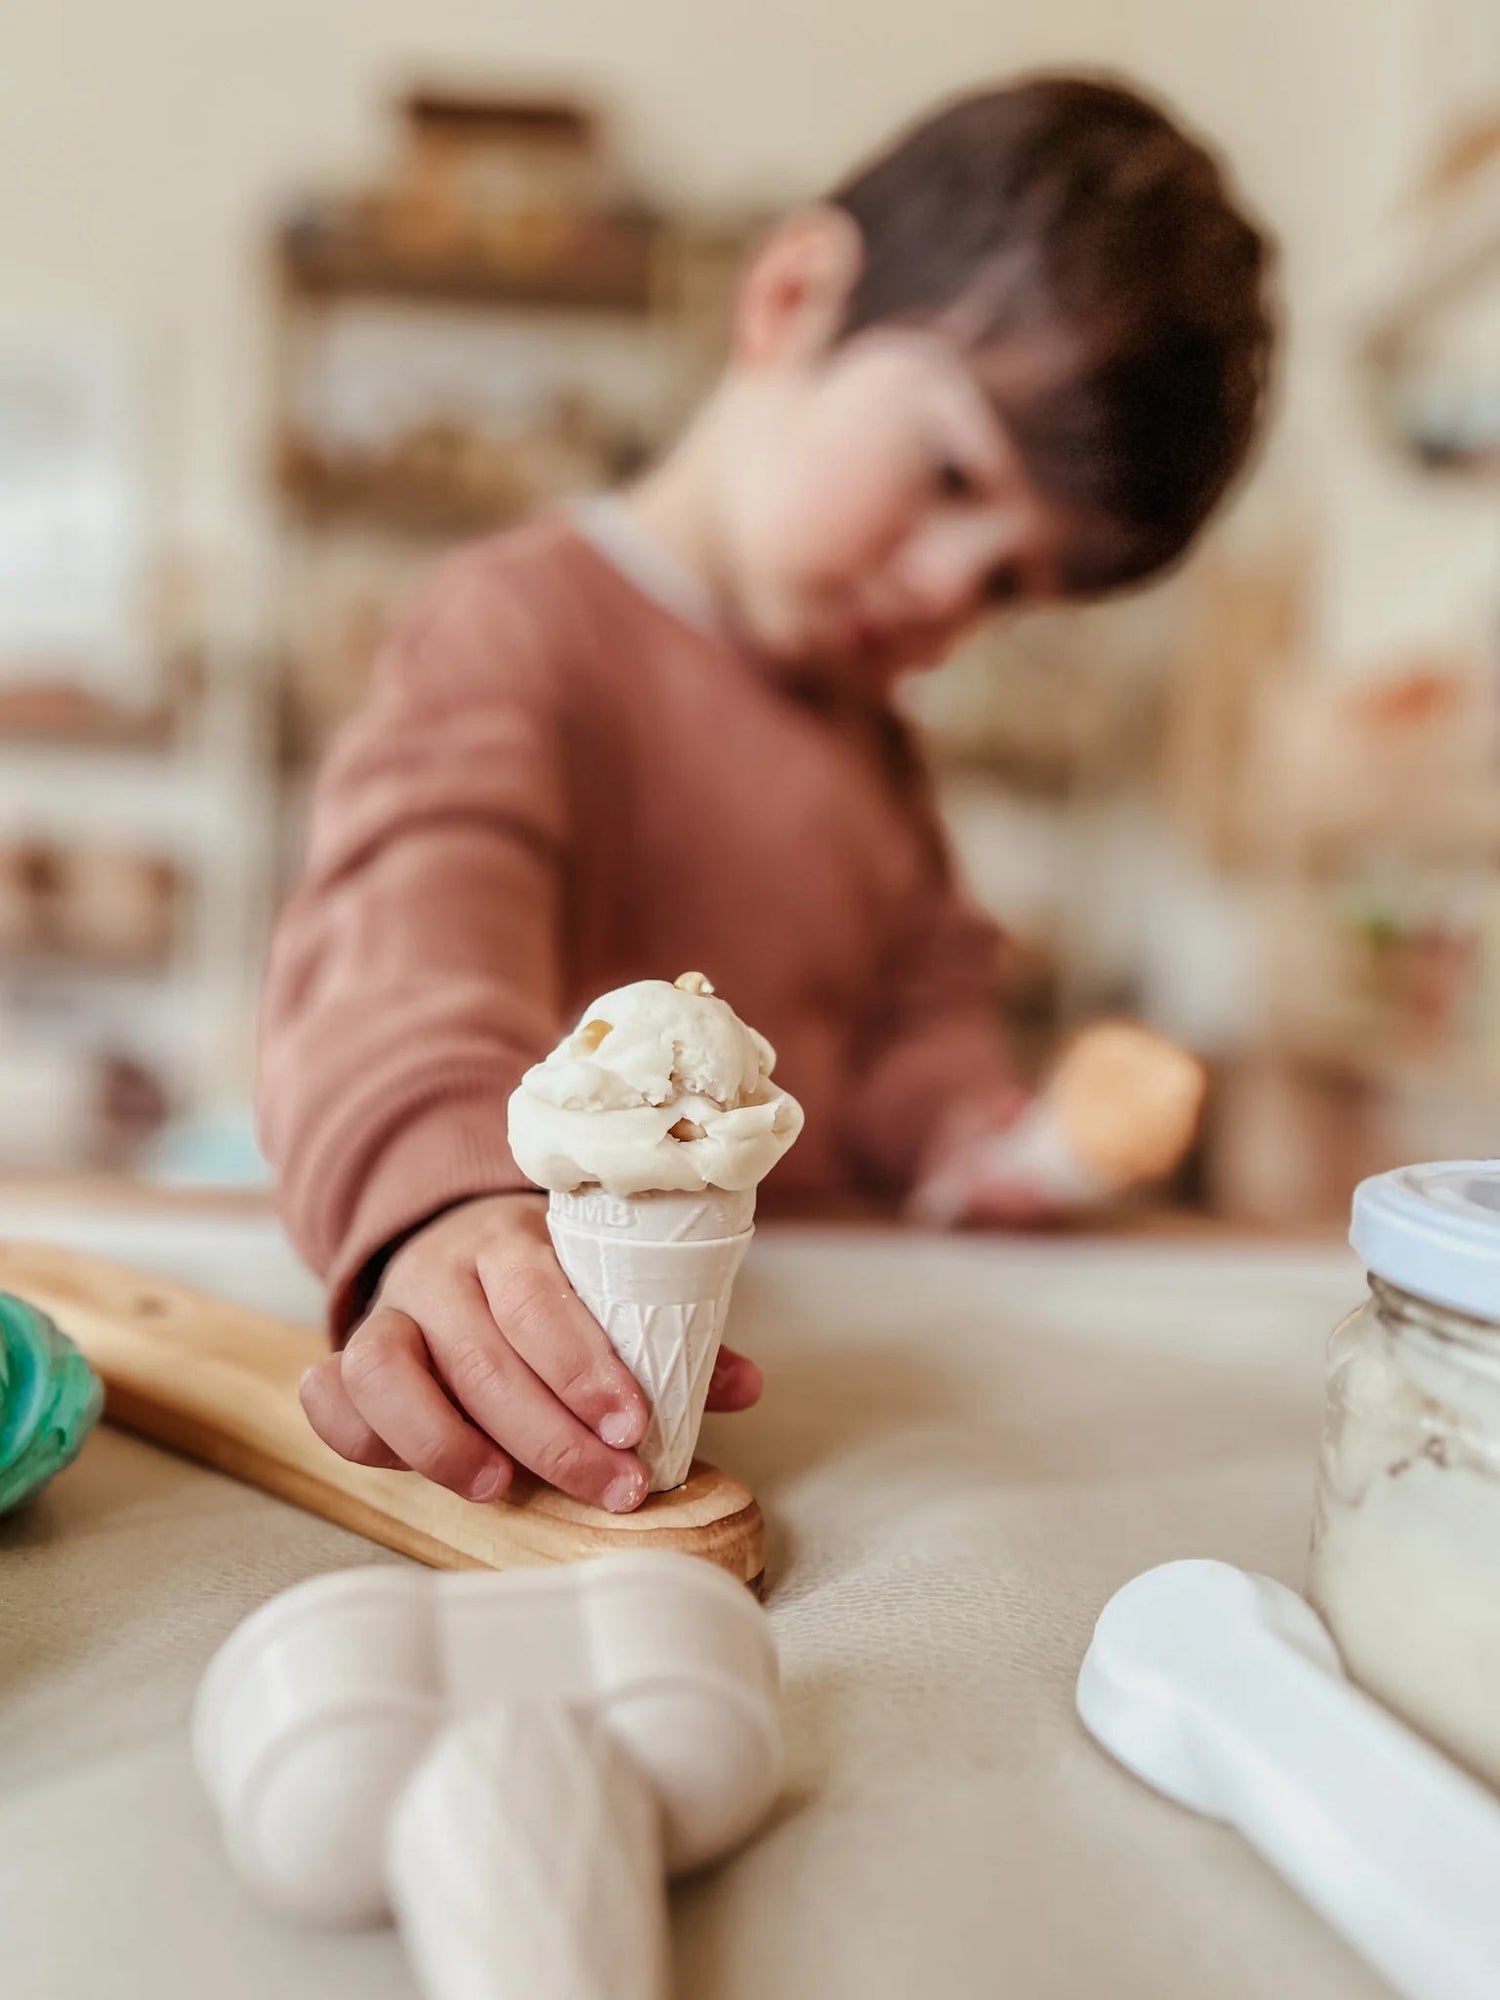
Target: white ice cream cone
pixel 656 1271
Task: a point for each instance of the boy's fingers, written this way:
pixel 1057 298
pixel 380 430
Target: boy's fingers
pixel 335 1419
pixel 488 1378
pixel 559 1339
pixel 1010 1205
pixel 736 1382
pixel 386 1372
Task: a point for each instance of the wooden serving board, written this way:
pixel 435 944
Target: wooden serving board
pixel 219 1383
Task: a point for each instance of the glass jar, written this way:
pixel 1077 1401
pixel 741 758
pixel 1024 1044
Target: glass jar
pixel 1406 1536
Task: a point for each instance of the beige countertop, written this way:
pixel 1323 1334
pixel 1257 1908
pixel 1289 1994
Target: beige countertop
pixel 965 1446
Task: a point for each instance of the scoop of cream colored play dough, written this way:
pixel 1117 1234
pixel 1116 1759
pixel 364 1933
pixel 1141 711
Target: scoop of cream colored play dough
pixel 660 1088
pixel 1128 1101
pixel 1120 1110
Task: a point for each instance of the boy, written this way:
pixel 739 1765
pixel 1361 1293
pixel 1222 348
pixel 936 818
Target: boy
pixel 1018 358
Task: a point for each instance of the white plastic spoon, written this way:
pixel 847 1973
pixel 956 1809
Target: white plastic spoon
pixel 1224 1691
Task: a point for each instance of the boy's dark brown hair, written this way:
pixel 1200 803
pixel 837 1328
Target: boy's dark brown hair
pixel 1069 218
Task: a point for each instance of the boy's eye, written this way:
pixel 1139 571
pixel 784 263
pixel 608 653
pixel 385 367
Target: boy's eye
pixel 953 482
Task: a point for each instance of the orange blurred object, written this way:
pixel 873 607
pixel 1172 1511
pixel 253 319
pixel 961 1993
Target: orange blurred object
pixel 1129 1102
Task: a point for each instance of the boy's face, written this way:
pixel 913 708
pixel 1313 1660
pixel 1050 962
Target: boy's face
pixel 872 505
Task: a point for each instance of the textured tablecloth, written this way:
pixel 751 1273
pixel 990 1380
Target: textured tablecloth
pixel 964 1448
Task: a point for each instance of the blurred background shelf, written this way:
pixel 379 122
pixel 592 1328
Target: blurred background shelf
pixel 441 481
pixel 40 712
pixel 59 962
pixel 322 491
pixel 136 885
pixel 1430 346
pixel 604 264
pixel 1387 1064
pixel 498 323
pixel 501 200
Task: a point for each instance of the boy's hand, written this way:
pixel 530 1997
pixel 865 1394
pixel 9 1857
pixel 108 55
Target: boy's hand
pixel 974 1192
pixel 999 1201
pixel 478 1356
pixel 987 1168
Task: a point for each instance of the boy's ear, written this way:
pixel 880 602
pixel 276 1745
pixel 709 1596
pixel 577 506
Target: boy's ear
pixel 795 292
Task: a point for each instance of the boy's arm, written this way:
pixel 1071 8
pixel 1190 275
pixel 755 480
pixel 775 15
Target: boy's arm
pixel 935 1064
pixel 939 1118
pixel 414 975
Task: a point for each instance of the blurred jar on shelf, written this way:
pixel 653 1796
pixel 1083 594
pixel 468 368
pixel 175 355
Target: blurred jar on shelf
pixel 22 889
pixel 1406 1542
pixel 111 905
pixel 69 1109
pixel 94 905
pixel 512 157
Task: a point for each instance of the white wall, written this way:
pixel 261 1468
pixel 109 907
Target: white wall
pixel 143 144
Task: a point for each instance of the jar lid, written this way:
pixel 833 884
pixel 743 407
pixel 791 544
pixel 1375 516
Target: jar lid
pixel 1434 1231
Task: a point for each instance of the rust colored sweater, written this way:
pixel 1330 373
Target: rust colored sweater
pixel 558 786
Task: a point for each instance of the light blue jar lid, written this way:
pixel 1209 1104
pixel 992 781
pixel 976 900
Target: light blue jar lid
pixel 1434 1231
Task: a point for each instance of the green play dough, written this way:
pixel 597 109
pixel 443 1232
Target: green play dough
pixel 50 1400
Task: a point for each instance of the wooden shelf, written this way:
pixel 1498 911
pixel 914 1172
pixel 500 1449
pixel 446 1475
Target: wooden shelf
pixel 1019 768
pixel 421 489
pixel 323 490
pixel 57 712
pixel 1384 1061
pixel 590 264
pixel 1435 822
pixel 57 962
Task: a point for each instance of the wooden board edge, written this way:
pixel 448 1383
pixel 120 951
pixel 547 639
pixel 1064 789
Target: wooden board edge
pixel 537 1527
pixel 525 1539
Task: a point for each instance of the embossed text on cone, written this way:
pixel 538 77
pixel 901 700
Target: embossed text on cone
pixel 657 1272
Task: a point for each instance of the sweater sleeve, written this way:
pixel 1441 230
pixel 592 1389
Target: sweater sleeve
pixel 934 1053
pixel 415 973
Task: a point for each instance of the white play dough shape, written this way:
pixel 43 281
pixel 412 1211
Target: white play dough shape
pixel 525 1863
pixel 313 1716
pixel 1224 1691
pixel 308 1722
